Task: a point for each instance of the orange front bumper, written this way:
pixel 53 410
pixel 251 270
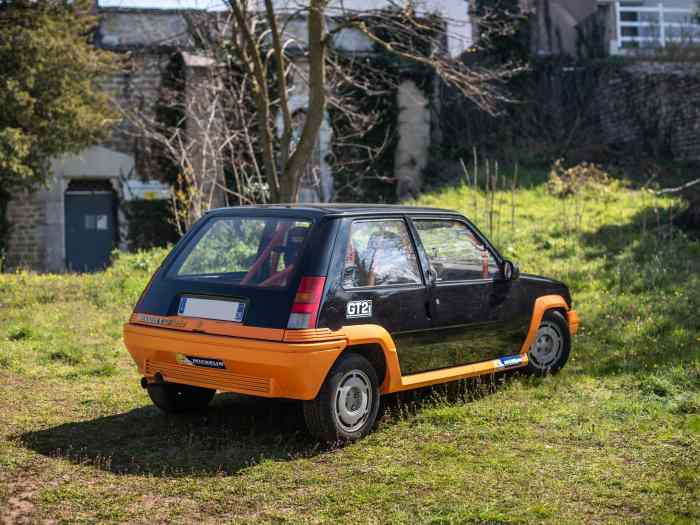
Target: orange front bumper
pixel 293 370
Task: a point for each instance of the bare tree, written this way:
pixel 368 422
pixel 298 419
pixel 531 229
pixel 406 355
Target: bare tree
pixel 262 46
pixel 201 136
pixel 240 115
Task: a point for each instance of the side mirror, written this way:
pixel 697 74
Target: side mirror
pixel 511 272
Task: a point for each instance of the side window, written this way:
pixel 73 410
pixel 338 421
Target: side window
pixel 455 253
pixel 380 253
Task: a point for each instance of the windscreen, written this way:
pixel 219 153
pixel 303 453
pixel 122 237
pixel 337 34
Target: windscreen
pixel 250 251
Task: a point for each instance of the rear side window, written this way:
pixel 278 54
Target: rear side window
pixel 454 252
pixel 380 253
pixel 252 251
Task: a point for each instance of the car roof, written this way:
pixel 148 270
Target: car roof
pixel 337 209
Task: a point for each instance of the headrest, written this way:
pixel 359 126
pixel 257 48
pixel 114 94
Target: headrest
pixel 384 240
pixel 296 235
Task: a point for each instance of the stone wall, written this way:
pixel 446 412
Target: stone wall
pixel 605 113
pixel 147 38
pixel 651 107
pixel 25 246
pixel 134 89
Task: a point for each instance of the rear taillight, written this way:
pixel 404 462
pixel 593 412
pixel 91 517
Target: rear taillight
pixel 306 303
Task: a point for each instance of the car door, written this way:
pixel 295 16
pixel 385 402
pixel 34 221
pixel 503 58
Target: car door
pixel 378 280
pixel 474 311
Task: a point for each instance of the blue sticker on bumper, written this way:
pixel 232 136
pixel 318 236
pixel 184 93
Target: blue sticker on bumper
pixel 512 360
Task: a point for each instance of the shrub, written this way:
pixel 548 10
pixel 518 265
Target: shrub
pixel 584 177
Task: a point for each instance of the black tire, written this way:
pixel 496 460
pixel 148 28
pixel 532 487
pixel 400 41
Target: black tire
pixel 331 418
pixel 550 350
pixel 173 398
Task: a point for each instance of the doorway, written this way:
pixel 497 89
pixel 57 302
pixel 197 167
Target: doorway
pixel 90 221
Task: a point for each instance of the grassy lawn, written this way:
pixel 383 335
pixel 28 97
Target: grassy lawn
pixel 614 438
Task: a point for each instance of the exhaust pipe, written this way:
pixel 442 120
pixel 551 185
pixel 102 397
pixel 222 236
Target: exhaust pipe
pixel 158 378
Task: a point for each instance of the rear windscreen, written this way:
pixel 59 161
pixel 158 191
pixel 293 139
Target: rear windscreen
pixel 250 251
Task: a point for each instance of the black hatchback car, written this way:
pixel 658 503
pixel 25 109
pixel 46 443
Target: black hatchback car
pixel 336 305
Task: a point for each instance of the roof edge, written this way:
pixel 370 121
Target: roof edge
pixel 150 10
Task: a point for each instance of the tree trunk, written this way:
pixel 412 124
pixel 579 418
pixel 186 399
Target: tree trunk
pixel 257 69
pixel 294 168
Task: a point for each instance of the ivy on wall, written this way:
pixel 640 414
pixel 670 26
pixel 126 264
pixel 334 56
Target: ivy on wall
pixel 4 225
pixel 363 164
pixel 150 224
pixel 505 33
pixel 357 175
pixel 550 113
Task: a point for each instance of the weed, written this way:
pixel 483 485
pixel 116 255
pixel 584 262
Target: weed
pixel 583 178
pixel 67 356
pixel 19 333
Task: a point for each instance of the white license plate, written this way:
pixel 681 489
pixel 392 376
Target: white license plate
pixel 212 309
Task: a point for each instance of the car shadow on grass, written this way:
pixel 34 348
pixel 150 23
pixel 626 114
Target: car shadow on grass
pixel 235 432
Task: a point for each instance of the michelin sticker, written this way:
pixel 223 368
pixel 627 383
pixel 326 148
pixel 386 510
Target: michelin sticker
pixel 355 309
pixel 199 361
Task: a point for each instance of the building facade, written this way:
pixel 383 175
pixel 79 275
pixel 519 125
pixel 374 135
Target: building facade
pixel 86 210
pixel 635 26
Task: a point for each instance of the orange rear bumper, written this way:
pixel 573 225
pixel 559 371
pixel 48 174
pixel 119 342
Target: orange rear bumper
pixel 252 366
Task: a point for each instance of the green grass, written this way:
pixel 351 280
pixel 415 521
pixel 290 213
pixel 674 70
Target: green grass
pixel 614 438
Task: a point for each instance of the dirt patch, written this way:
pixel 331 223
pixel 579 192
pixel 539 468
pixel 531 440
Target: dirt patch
pixel 19 507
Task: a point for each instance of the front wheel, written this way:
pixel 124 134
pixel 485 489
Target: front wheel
pixel 346 407
pixel 550 350
pixel 173 398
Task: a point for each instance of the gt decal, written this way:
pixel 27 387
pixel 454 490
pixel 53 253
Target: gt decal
pixel 505 362
pixel 356 309
pixel 199 361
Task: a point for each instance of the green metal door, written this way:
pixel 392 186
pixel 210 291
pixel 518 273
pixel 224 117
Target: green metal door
pixel 90 230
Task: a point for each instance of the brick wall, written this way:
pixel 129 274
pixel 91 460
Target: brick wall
pixel 137 90
pixel 651 107
pixel 150 38
pixel 25 246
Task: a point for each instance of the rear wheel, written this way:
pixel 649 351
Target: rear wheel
pixel 173 398
pixel 550 350
pixel 346 407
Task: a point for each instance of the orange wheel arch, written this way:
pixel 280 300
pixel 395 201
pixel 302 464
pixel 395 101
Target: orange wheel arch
pixel 542 304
